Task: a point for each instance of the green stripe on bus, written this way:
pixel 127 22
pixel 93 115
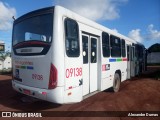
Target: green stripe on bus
pixel 118 60
pixel 23 67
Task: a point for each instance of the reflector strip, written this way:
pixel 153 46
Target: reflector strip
pixel 17 66
pixel 30 67
pixel 112 60
pixel 24 67
pixel 117 60
pixel 124 59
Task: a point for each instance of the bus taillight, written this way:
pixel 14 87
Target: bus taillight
pixel 53 77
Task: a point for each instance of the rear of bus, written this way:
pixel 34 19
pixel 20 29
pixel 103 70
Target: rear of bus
pixel 34 72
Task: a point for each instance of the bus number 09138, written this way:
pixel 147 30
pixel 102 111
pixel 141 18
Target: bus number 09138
pixel 73 72
pixel 37 77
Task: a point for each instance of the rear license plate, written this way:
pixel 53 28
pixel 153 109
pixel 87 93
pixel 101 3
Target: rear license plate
pixel 28 92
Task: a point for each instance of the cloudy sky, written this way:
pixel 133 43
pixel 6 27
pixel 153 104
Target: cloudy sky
pixel 137 19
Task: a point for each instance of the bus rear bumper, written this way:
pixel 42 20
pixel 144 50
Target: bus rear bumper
pixel 53 95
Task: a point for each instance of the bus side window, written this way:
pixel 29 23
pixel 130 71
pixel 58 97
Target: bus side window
pixel 128 53
pixel 123 48
pixel 105 44
pixel 85 49
pixel 115 46
pixel 93 50
pixel 71 38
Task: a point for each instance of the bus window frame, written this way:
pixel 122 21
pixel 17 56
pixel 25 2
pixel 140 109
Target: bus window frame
pixel 66 37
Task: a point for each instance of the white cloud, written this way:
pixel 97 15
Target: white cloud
pixel 153 34
pixel 136 35
pixel 94 9
pixel 6 13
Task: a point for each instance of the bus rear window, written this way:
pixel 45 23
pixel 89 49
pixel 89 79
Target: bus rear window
pixel 37 28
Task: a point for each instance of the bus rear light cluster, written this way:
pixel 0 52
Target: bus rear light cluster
pixel 53 77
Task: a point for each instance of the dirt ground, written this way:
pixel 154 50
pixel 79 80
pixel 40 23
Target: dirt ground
pixel 140 94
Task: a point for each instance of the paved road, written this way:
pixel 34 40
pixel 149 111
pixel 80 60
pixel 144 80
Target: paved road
pixel 138 94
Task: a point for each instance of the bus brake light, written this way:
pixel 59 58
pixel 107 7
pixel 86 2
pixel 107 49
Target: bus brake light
pixel 53 77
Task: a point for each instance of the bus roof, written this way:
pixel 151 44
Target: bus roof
pixel 75 16
pixel 93 24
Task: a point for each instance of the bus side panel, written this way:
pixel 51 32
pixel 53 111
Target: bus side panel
pixel 73 74
pixel 107 81
pixel 57 95
pixel 73 79
pixel 58 46
pixel 109 66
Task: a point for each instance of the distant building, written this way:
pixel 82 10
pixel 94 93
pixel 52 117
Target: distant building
pixel 5 63
pixel 1 63
pixel 5 58
pixel 153 57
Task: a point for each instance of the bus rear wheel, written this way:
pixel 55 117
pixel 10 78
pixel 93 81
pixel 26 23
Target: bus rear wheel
pixel 116 82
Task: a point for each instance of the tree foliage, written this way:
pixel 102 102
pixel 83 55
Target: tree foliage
pixel 3 55
pixel 154 48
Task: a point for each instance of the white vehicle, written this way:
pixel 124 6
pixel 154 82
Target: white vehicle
pixel 62 57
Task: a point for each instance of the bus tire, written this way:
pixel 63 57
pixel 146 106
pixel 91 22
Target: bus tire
pixel 116 82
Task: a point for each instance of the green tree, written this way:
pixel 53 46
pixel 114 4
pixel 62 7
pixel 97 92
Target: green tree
pixel 154 48
pixel 3 55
